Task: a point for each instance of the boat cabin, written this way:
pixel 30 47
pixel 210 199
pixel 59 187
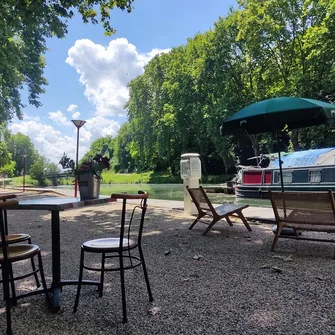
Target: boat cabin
pixel 310 170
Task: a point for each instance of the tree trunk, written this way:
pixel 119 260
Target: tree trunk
pixel 255 144
pixel 295 140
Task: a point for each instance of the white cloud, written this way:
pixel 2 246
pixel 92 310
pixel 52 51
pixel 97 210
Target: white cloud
pixel 52 143
pixel 29 117
pixel 106 71
pixel 75 116
pixel 47 141
pixel 100 126
pixel 59 118
pixel 71 108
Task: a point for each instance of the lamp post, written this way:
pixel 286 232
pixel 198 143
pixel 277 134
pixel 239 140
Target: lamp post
pixel 24 156
pixel 78 124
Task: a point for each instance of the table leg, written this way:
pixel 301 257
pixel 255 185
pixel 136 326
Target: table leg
pixel 56 272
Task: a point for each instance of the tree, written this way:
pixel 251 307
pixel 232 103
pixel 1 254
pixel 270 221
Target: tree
pixel 24 27
pixel 263 49
pixel 37 171
pixel 122 149
pixel 51 168
pixel 103 146
pixel 19 145
pixel 6 163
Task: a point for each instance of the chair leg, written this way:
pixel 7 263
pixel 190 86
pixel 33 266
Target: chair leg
pixel 5 280
pixel 102 275
pixel 145 274
pixel 195 221
pixel 210 226
pixel 13 299
pixel 244 220
pixel 5 222
pixel 229 221
pixel 44 284
pixel 34 269
pixel 80 279
pixel 123 289
pixel 279 230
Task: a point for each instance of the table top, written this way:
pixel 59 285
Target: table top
pixel 59 204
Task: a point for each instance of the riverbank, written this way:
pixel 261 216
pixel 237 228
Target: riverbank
pixel 110 178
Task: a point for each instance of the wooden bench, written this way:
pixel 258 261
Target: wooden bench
pixel 303 211
pixel 205 208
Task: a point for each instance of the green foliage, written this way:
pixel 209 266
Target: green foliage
pixel 25 26
pixel 103 146
pixel 37 172
pixel 137 178
pixel 8 169
pixel 262 49
pixel 51 168
pixel 19 146
pixel 29 182
pixel 122 149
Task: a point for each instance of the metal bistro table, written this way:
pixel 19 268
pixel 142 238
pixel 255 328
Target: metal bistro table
pixel 55 205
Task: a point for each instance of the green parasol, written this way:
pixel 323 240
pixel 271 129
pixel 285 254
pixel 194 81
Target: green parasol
pixel 273 114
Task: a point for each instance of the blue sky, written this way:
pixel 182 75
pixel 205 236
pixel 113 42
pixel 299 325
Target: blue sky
pixel 88 72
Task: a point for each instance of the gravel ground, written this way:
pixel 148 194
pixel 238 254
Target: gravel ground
pixel 227 282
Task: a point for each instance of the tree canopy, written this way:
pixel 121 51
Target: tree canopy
pixel 260 50
pixel 24 26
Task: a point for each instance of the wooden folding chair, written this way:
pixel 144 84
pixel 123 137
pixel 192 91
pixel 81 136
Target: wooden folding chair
pixel 205 208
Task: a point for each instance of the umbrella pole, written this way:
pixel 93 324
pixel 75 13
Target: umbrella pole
pixel 280 163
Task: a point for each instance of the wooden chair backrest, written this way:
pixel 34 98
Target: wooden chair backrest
pixel 200 199
pixel 304 207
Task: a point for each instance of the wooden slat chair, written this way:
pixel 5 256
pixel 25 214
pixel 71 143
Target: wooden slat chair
pixel 303 211
pixel 205 208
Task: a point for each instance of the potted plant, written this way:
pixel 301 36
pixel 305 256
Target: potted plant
pixel 88 173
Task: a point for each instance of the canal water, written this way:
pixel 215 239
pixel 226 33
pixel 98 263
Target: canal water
pixel 172 192
pixel 176 192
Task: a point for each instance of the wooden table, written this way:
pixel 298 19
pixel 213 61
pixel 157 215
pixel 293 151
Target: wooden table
pixel 55 205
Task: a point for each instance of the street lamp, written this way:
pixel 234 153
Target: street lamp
pixel 24 156
pixel 78 124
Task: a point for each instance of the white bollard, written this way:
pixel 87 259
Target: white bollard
pixel 190 171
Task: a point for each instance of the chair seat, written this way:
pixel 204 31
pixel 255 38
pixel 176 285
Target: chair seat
pixel 16 238
pixel 108 244
pixel 226 208
pixel 20 251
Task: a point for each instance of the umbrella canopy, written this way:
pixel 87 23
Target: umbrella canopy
pixel 273 114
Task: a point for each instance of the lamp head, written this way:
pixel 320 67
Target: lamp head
pixel 78 123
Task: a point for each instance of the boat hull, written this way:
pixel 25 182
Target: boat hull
pixel 243 191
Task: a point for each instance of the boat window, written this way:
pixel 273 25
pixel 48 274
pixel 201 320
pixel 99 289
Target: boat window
pixel 287 177
pixel 315 176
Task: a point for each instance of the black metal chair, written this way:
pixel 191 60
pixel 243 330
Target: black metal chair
pixel 127 247
pixel 16 238
pixel 12 253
